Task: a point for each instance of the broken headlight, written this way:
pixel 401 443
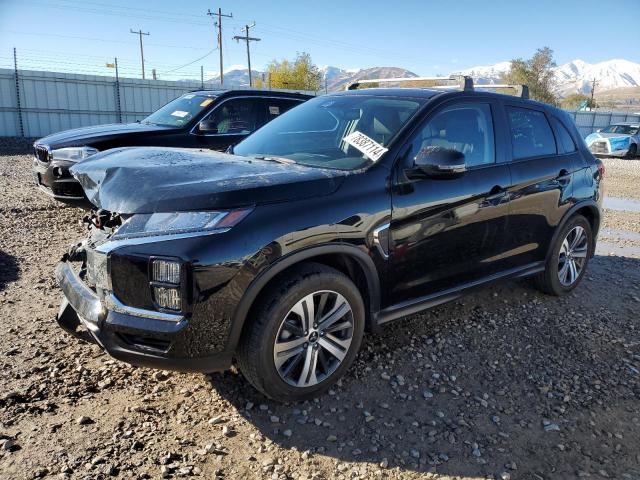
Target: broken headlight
pixel 144 225
pixel 73 154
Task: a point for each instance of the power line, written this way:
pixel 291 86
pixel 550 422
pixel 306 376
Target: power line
pixel 172 19
pixel 190 63
pixel 248 39
pixel 218 24
pixel 140 34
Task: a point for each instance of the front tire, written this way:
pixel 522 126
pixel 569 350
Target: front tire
pixel 633 151
pixel 569 257
pixel 304 334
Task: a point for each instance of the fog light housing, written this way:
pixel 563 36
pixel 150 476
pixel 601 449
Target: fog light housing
pixel 165 271
pixel 168 298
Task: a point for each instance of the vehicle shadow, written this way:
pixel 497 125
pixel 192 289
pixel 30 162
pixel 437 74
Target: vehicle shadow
pixel 16 145
pixel 506 382
pixel 9 270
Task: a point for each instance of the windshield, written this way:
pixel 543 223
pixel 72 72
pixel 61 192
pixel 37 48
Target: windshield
pixel 314 133
pixel 625 129
pixel 179 112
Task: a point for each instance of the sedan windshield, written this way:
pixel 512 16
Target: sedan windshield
pixel 179 112
pixel 315 133
pixel 624 129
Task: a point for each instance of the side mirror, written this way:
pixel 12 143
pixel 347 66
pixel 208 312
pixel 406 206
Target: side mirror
pixel 439 162
pixel 208 126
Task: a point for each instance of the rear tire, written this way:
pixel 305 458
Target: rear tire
pixel 569 257
pixel 633 151
pixel 303 335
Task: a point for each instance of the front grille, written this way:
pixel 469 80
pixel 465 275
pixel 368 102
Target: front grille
pixel 67 189
pixel 599 147
pixel 42 153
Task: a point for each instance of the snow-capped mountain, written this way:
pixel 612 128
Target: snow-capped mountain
pixel 577 76
pixel 486 74
pixel 572 77
pixel 337 78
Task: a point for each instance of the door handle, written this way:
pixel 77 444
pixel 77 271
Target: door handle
pixel 495 197
pixel 563 177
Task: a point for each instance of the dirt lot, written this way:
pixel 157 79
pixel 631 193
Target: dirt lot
pixel 507 383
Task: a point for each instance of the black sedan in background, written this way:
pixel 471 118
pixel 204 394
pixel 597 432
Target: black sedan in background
pixel 204 119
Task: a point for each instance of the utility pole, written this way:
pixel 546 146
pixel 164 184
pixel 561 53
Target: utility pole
pixel 140 33
pixel 218 24
pixel 202 77
pixel 593 91
pixel 247 39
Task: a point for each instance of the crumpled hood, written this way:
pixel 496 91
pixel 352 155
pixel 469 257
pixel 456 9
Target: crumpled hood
pixel 89 135
pixel 617 141
pixel 152 179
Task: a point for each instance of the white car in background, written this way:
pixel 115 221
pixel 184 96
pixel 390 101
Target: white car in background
pixel 616 140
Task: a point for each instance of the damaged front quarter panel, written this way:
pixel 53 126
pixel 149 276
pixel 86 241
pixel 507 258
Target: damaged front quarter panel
pixel 151 180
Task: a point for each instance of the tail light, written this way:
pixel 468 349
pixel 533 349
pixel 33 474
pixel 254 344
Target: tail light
pixel 601 169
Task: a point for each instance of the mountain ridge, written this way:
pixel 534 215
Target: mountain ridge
pixel 575 76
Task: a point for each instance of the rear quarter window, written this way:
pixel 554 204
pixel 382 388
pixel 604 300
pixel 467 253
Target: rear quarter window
pixel 531 134
pixel 564 137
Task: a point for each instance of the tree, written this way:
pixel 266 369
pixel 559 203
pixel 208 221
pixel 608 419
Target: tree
pixel 576 100
pixel 299 74
pixel 537 73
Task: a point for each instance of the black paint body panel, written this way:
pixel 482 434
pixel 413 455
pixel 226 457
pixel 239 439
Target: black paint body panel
pixel 445 236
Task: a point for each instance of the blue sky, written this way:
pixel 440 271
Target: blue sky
pixel 427 37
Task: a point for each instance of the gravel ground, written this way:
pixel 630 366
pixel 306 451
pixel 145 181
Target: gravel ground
pixel 506 383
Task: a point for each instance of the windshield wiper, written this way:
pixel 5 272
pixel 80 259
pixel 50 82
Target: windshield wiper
pixel 284 160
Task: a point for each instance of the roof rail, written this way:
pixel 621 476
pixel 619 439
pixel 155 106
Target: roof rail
pixel 461 82
pixel 458 82
pixel 521 91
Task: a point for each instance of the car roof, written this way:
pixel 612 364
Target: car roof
pixel 627 124
pixel 251 93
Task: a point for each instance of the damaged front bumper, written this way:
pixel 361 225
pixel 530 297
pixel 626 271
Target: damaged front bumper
pixel 136 336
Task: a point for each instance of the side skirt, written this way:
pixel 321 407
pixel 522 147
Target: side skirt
pixel 417 305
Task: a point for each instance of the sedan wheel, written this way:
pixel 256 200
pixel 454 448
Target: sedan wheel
pixel 313 338
pixel 573 254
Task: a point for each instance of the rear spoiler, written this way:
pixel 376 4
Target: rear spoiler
pixel 456 82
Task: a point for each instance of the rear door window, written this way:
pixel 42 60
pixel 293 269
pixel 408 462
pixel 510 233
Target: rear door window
pixel 277 106
pixel 531 134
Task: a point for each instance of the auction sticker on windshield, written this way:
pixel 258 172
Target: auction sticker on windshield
pixel 366 145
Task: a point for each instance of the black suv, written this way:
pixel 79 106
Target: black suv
pixel 208 119
pixel 349 211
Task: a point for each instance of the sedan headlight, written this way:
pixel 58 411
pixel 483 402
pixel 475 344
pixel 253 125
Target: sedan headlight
pixel 73 154
pixel 144 225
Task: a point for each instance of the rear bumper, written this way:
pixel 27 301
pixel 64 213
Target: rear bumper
pixel 125 334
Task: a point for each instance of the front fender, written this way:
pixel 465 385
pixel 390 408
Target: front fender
pixel 262 280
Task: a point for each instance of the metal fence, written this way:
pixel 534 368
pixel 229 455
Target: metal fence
pixel 589 122
pixel 36 103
